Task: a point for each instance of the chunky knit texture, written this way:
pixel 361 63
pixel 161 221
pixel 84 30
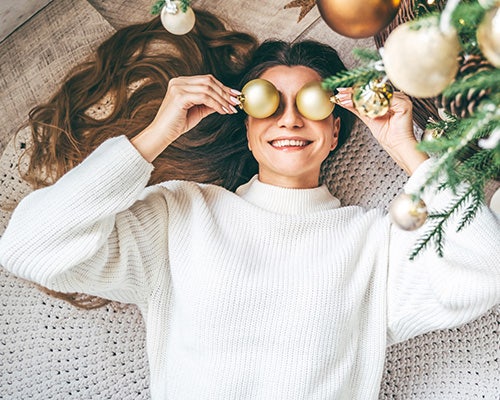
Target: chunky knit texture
pixel 267 293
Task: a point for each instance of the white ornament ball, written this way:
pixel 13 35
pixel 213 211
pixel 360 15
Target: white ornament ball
pixel 407 213
pixel 421 60
pixel 177 22
pixel 488 36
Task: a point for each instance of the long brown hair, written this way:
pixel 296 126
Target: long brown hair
pixel 145 56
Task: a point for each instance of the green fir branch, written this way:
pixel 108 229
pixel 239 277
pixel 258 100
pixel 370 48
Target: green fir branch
pixel 184 5
pixel 360 75
pixel 488 80
pixel 480 167
pixel 367 55
pixel 471 211
pixel 450 149
pixel 157 6
pixel 436 232
pixel 466 18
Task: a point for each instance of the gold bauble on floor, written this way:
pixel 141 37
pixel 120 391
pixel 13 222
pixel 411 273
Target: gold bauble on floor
pixel 358 18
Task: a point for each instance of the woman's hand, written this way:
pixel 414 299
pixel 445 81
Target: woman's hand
pixel 188 100
pixel 394 130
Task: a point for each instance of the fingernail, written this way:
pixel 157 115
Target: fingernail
pixel 225 110
pixel 234 100
pixel 236 92
pixel 346 102
pixel 234 110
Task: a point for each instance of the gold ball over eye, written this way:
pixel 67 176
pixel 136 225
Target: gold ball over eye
pixel 313 102
pixel 259 98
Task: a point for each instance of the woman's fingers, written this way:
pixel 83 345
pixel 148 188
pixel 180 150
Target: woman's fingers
pixel 204 90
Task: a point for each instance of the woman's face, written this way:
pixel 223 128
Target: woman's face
pixel 289 147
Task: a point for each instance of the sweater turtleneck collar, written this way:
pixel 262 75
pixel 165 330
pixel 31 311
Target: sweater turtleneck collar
pixel 287 200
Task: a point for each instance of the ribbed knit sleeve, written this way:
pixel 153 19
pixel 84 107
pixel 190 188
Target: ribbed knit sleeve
pixel 96 230
pixel 435 292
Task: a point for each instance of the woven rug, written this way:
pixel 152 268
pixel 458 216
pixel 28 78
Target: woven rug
pixel 49 349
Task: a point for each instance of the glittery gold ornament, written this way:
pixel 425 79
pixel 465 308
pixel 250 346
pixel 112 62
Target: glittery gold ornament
pixel 314 102
pixel 488 36
pixel 259 98
pixel 175 20
pixel 408 213
pixel 372 99
pixel 358 18
pixel 421 60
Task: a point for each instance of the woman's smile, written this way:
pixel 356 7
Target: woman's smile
pixel 289 144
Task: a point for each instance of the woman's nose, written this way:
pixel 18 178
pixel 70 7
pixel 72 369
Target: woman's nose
pixel 290 116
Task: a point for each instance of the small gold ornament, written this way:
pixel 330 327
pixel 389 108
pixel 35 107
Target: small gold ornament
pixel 408 213
pixel 488 36
pixel 313 102
pixel 358 18
pixel 175 20
pixel 372 99
pixel 431 134
pixel 421 60
pixel 259 98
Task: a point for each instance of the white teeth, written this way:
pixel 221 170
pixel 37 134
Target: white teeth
pixel 289 143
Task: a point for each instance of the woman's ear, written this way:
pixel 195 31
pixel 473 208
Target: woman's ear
pixel 335 133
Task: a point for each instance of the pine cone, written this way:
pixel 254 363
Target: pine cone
pixel 464 106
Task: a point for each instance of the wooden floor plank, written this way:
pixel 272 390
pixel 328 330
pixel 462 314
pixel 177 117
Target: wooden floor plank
pixel 36 57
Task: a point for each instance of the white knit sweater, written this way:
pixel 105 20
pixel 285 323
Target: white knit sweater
pixel 269 293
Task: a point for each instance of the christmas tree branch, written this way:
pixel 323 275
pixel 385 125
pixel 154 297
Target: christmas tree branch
pixel 482 80
pixel 465 19
pixel 466 130
pixel 367 55
pixel 360 75
pixel 436 233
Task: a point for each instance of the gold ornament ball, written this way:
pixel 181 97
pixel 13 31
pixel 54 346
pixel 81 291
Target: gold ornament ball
pixel 488 36
pixel 259 98
pixel 358 18
pixel 178 23
pixel 313 102
pixel 373 99
pixel 421 61
pixel 407 213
